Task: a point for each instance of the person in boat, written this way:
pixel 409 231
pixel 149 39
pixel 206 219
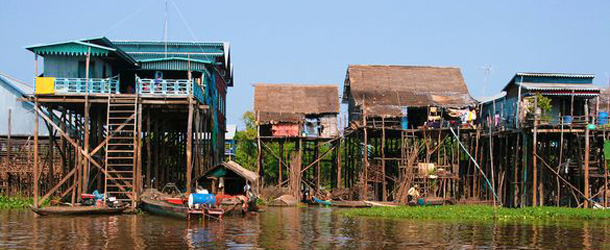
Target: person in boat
pixel 413 193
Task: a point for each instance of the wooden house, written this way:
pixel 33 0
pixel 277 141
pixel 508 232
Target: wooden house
pixel 133 113
pixel 419 93
pixel 291 110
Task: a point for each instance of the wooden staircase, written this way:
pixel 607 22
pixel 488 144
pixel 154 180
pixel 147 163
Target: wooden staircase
pixel 121 154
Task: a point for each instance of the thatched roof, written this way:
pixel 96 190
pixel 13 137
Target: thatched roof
pixel 239 170
pixel 384 89
pixel 291 102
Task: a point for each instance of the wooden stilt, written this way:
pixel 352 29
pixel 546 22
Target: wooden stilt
pixel 148 150
pixel 384 193
pixel 35 167
pixel 189 147
pixel 587 194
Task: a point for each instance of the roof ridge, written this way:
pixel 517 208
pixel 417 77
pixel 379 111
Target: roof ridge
pixel 15 79
pixel 297 84
pixel 403 66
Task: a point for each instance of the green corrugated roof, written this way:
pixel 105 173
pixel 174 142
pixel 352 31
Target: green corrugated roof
pixel 174 63
pixel 73 48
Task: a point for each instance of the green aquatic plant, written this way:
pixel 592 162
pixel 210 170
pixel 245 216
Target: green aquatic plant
pixel 8 202
pixel 461 212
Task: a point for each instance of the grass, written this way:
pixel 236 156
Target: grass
pixel 480 213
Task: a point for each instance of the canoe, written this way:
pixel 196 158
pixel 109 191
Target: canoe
pixel 352 204
pixel 77 210
pixel 322 202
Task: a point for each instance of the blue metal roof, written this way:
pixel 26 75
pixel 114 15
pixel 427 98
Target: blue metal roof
pixel 21 87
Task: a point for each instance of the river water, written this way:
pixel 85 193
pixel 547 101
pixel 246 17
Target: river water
pixel 290 228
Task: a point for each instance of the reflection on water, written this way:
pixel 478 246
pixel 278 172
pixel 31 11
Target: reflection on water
pixel 289 228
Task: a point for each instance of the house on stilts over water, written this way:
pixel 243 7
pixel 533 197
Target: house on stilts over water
pixel 301 121
pixel 549 140
pixel 399 136
pixel 130 114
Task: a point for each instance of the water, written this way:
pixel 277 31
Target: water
pixel 289 228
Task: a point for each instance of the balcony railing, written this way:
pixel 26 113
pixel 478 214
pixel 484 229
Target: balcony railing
pixel 169 87
pixel 79 85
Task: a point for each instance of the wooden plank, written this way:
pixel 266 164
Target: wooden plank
pixel 54 188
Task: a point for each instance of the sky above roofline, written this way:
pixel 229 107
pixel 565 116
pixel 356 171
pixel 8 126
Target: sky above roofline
pixel 281 41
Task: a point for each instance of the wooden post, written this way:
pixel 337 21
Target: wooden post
pixel 383 180
pixel 86 163
pixel 279 179
pixel 156 143
pixel 138 177
pixel 587 132
pixel 35 168
pixel 189 145
pixel 339 163
pixel 35 65
pixel 535 167
pixel 8 138
pixel 259 153
pixel 365 164
pixel 148 149
pixel 316 157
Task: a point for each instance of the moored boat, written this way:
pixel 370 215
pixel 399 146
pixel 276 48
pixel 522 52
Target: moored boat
pixel 78 210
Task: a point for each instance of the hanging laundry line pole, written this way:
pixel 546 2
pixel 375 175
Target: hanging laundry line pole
pixel 475 163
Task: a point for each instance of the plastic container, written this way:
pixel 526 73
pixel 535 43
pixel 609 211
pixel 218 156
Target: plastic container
pixel 567 119
pixel 602 118
pixel 206 199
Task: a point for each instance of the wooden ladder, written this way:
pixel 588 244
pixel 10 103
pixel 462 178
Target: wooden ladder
pixel 121 160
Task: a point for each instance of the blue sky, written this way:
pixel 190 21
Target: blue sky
pixel 314 41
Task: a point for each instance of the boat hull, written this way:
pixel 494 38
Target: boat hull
pixel 164 209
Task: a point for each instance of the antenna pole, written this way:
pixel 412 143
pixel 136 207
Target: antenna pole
pixel 165 30
pixel 487 70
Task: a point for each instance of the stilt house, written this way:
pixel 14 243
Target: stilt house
pixel 419 93
pixel 131 113
pixel 572 97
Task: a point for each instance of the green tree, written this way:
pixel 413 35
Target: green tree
pixel 246 151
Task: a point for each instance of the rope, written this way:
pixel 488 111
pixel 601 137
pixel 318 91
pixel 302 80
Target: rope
pixel 129 16
pixel 188 27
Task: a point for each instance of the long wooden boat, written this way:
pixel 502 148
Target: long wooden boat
pixel 77 210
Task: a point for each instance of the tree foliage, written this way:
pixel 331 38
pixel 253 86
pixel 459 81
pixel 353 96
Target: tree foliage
pixel 246 150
